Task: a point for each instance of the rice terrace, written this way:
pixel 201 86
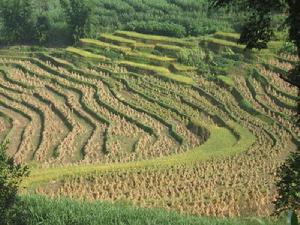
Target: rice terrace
pixel 145 116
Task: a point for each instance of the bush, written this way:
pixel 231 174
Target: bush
pixel 10 178
pixel 17 20
pixel 288 184
pixel 158 28
pixel 78 15
pixel 42 29
pixel 191 57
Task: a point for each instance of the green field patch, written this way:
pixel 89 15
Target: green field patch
pixel 170 50
pixel 155 70
pixel 85 54
pixel 154 39
pixel 152 57
pixel 110 38
pixel 149 58
pixel 230 37
pixel 180 68
pixel 226 80
pixel 104 45
pixel 218 45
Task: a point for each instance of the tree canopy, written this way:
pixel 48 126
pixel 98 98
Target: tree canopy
pixel 78 14
pixel 10 178
pixel 17 20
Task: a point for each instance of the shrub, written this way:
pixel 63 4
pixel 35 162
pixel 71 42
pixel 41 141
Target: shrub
pixel 191 57
pixel 42 29
pixel 78 15
pixel 158 28
pixel 17 20
pixel 10 179
pixel 288 185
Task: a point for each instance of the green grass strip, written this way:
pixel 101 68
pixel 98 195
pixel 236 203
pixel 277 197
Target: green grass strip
pixel 182 68
pixel 156 70
pixel 223 43
pixel 64 211
pixel 117 40
pixel 148 56
pixel 85 54
pixel 104 45
pixel 231 37
pixel 226 80
pixel 153 39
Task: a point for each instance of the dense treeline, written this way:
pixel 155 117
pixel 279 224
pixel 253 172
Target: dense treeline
pixel 60 21
pixel 32 21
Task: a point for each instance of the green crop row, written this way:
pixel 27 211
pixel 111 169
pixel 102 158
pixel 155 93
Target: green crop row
pixel 156 70
pixel 154 39
pixel 85 54
pixel 101 44
pixel 218 45
pixel 61 211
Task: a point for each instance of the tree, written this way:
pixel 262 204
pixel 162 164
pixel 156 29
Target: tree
pixel 42 25
pixel 42 29
pixel 17 20
pixel 256 33
pixel 10 178
pixel 289 185
pixel 78 14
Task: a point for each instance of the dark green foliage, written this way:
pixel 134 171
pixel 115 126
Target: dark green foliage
pixel 289 48
pixel 159 28
pixel 289 185
pixel 294 76
pixel 77 13
pixel 257 31
pixel 293 21
pixel 10 178
pixel 17 20
pixel 175 18
pixel 292 218
pixel 42 29
pixel 191 57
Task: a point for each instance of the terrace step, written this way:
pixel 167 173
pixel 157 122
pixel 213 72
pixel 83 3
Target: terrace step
pixel 19 123
pixel 117 40
pixel 230 37
pixel 6 123
pixel 86 54
pixel 140 57
pixel 155 70
pixel 154 39
pixel 217 45
pixel 103 45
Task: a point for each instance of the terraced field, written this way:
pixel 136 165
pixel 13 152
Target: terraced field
pixel 121 119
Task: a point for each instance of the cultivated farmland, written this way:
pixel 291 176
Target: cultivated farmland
pixel 125 118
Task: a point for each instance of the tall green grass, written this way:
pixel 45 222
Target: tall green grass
pixel 45 211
